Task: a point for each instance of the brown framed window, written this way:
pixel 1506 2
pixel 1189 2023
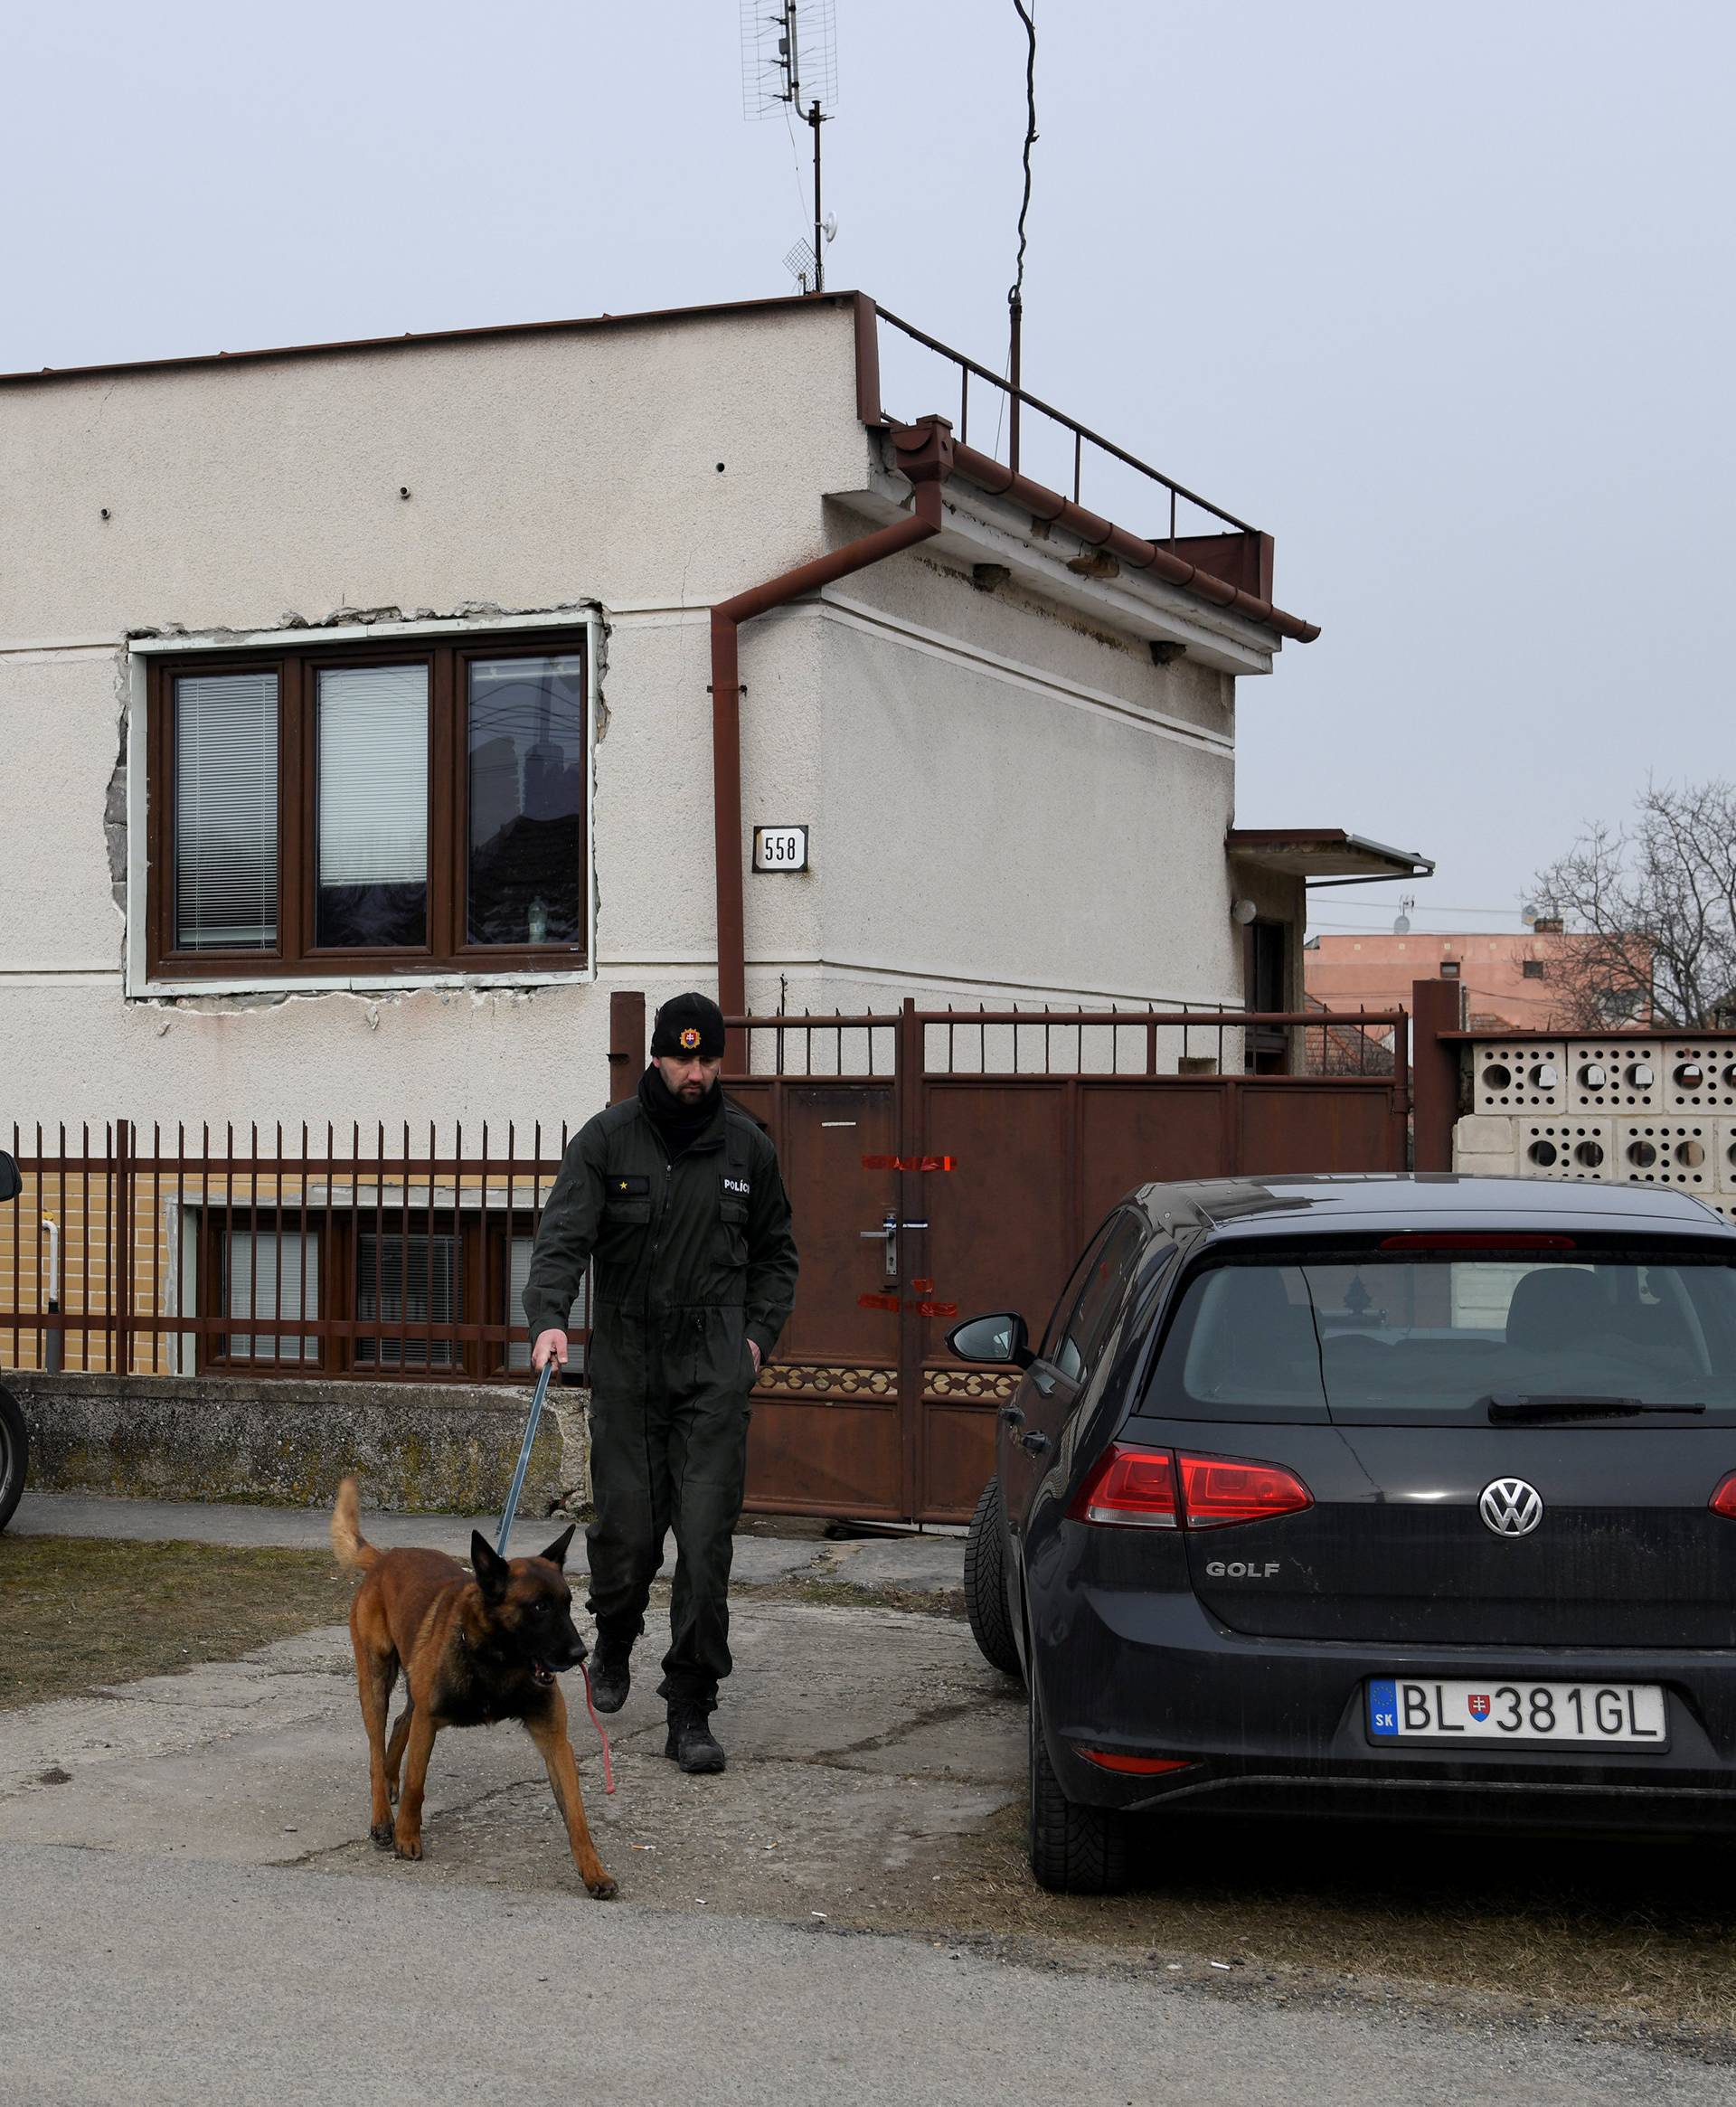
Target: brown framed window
pixel 398 1275
pixel 409 806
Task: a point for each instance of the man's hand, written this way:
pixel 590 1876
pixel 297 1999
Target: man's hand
pixel 753 1347
pixel 549 1345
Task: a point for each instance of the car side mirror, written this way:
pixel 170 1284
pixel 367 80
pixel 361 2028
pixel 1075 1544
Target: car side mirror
pixel 11 1184
pixel 1001 1339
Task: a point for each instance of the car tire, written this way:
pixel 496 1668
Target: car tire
pixel 14 1455
pixel 1074 1849
pixel 991 1624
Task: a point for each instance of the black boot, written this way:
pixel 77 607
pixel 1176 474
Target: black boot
pixel 611 1677
pixel 691 1743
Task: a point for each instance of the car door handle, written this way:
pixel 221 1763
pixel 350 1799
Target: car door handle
pixel 1011 1416
pixel 1034 1444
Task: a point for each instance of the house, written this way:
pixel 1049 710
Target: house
pixel 373 710
pixel 1517 980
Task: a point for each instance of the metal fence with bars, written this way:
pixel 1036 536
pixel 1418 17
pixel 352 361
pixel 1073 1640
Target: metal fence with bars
pixel 134 1251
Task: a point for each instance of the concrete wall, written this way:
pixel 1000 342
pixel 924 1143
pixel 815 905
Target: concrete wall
pixel 1652 1113
pixel 421 1447
pixel 1017 806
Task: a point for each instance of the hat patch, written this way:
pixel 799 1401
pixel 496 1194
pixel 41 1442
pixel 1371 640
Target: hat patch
pixel 690 1040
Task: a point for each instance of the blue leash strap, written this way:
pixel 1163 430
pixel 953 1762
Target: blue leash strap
pixel 537 1400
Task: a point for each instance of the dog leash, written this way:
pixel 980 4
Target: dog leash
pixel 538 1398
pixel 608 1765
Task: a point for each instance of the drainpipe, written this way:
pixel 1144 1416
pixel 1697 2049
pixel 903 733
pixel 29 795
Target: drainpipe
pixel 54 1354
pixel 925 459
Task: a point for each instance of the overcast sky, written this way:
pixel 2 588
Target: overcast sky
pixel 1441 297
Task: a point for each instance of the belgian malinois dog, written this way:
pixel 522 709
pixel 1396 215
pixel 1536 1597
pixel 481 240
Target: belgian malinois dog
pixel 473 1652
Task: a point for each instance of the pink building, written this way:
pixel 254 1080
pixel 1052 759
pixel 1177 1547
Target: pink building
pixel 1505 976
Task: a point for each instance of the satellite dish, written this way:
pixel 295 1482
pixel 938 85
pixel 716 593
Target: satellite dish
pixel 1401 926
pixel 829 226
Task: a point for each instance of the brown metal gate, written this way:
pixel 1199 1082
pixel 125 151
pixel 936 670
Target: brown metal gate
pixel 941 1163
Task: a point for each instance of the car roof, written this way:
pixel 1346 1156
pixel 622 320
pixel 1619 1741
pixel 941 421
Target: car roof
pixel 1291 1204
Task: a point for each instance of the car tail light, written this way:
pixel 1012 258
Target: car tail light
pixel 1136 1488
pixel 1132 1487
pixel 1217 1490
pixel 1134 1766
pixel 1724 1501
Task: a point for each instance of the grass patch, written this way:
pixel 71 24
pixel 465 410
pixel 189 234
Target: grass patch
pixel 79 1611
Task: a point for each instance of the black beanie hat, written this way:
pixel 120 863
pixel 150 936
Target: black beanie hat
pixel 686 1025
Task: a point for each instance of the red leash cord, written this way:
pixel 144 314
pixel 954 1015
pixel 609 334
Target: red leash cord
pixel 608 1766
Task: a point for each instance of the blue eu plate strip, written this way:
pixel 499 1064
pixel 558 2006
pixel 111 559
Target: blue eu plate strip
pixel 1383 1709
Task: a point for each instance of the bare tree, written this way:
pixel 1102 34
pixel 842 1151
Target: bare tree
pixel 1650 913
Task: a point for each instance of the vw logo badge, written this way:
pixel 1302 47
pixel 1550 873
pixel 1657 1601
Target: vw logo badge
pixel 1510 1507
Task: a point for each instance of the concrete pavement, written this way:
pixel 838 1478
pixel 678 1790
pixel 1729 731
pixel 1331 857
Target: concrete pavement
pixel 189 1908
pixel 157 1982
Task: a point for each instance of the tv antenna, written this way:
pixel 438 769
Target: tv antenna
pixel 789 60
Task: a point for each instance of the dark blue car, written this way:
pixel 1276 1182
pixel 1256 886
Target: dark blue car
pixel 1388 1496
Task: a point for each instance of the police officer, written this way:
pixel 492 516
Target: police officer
pixel 676 1195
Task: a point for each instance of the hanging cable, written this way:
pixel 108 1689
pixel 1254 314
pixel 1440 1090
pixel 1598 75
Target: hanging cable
pixel 1015 292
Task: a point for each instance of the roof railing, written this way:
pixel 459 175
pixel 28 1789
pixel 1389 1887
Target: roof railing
pixel 1081 434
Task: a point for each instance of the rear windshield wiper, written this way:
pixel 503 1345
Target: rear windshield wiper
pixel 1508 1406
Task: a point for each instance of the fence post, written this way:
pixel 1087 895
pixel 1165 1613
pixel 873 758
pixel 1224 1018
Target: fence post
pixel 120 1210
pixel 909 1100
pixel 1435 1006
pixel 626 1041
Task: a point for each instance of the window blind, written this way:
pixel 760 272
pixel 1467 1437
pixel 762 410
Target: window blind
pixel 373 805
pixel 415 1280
pixel 226 811
pixel 274 1274
pixel 518 1356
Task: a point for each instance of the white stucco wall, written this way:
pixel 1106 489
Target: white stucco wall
pixel 572 472
pixel 1010 802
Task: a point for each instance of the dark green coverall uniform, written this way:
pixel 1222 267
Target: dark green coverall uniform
pixel 693 1258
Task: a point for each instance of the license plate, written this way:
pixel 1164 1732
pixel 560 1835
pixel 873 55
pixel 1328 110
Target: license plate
pixel 1614 1715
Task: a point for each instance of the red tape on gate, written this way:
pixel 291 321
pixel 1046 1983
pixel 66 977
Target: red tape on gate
pixel 893 1302
pixel 909 1163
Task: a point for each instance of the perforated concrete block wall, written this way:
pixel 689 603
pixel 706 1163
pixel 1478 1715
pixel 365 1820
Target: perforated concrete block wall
pixel 1605 1076
pixel 1566 1148
pixel 1666 1152
pixel 1518 1078
pixel 1723 1149
pixel 1700 1075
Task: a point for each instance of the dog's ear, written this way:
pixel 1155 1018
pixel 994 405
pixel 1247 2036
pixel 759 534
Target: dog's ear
pixel 556 1553
pixel 492 1571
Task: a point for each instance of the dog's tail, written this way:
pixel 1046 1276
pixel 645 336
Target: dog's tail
pixel 347 1540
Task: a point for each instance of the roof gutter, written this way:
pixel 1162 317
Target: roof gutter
pixel 925 459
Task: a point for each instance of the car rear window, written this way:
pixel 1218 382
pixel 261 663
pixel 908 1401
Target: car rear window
pixel 1374 1339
